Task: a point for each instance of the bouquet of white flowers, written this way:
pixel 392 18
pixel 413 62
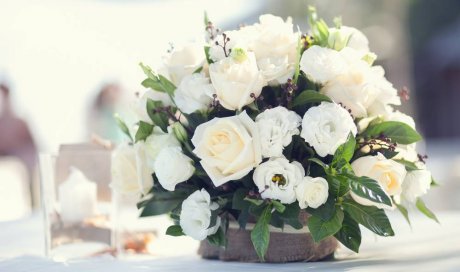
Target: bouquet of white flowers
pixel 263 123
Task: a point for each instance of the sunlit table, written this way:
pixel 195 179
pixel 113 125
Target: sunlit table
pixel 427 247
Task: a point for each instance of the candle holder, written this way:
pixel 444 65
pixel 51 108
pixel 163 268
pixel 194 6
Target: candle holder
pixel 76 199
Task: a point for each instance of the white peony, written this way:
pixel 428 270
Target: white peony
pixel 148 150
pixel 276 128
pixel 277 178
pixel 388 173
pixel 312 192
pixel 275 47
pixel 348 37
pixel 129 177
pixel 183 61
pixel 229 148
pixel 322 64
pixel 326 127
pixel 195 216
pixel 194 93
pixel 236 78
pixel 416 184
pixel 172 167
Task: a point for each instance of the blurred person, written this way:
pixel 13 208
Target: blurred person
pixel 101 121
pixel 16 139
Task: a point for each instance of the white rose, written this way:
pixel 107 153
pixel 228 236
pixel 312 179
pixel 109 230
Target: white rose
pixel 172 167
pixel 416 184
pixel 194 93
pixel 241 38
pixel 322 64
pixel 195 216
pixel 129 177
pixel 312 192
pixel 148 150
pixel 235 78
pixel 388 173
pixel 275 47
pixel 363 89
pixel 326 127
pixel 277 179
pixel 276 128
pixel 348 37
pixel 183 61
pixel 229 147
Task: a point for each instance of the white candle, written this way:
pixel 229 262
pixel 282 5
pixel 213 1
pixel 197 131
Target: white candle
pixel 77 197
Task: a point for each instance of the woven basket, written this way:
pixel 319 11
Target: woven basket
pixel 289 245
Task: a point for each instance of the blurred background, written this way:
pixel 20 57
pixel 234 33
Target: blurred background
pixel 67 66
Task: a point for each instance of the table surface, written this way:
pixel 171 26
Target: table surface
pixel 428 246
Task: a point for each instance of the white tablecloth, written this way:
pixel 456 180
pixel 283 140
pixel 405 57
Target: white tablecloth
pixel 427 247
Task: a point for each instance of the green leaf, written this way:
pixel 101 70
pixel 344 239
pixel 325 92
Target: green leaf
pixel 346 150
pixel 206 19
pixel 369 189
pixel 321 229
pixel 410 166
pixel 208 56
pixel 278 206
pixel 291 211
pixel 370 217
pixel 238 200
pixel 422 208
pixel 152 84
pixel 398 132
pixel 404 212
pixel 122 125
pixel 218 239
pixel 338 185
pixel 144 131
pixel 319 162
pixel 350 234
pixel 325 211
pixel 158 118
pixel 309 96
pixel 161 203
pixel 157 82
pixel 174 230
pixel 298 57
pixel 254 201
pixel 260 235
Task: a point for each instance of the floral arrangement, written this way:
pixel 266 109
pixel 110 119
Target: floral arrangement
pixel 264 122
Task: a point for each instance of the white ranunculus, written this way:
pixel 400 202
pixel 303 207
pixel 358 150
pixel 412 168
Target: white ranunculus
pixel 183 61
pixel 172 167
pixel 277 178
pixel 312 192
pixel 276 128
pixel 194 93
pixel 235 78
pixel 416 184
pixel 129 177
pixel 348 37
pixel 195 216
pixel 148 150
pixel 229 148
pixel 275 47
pixel 388 173
pixel 322 64
pixel 326 127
